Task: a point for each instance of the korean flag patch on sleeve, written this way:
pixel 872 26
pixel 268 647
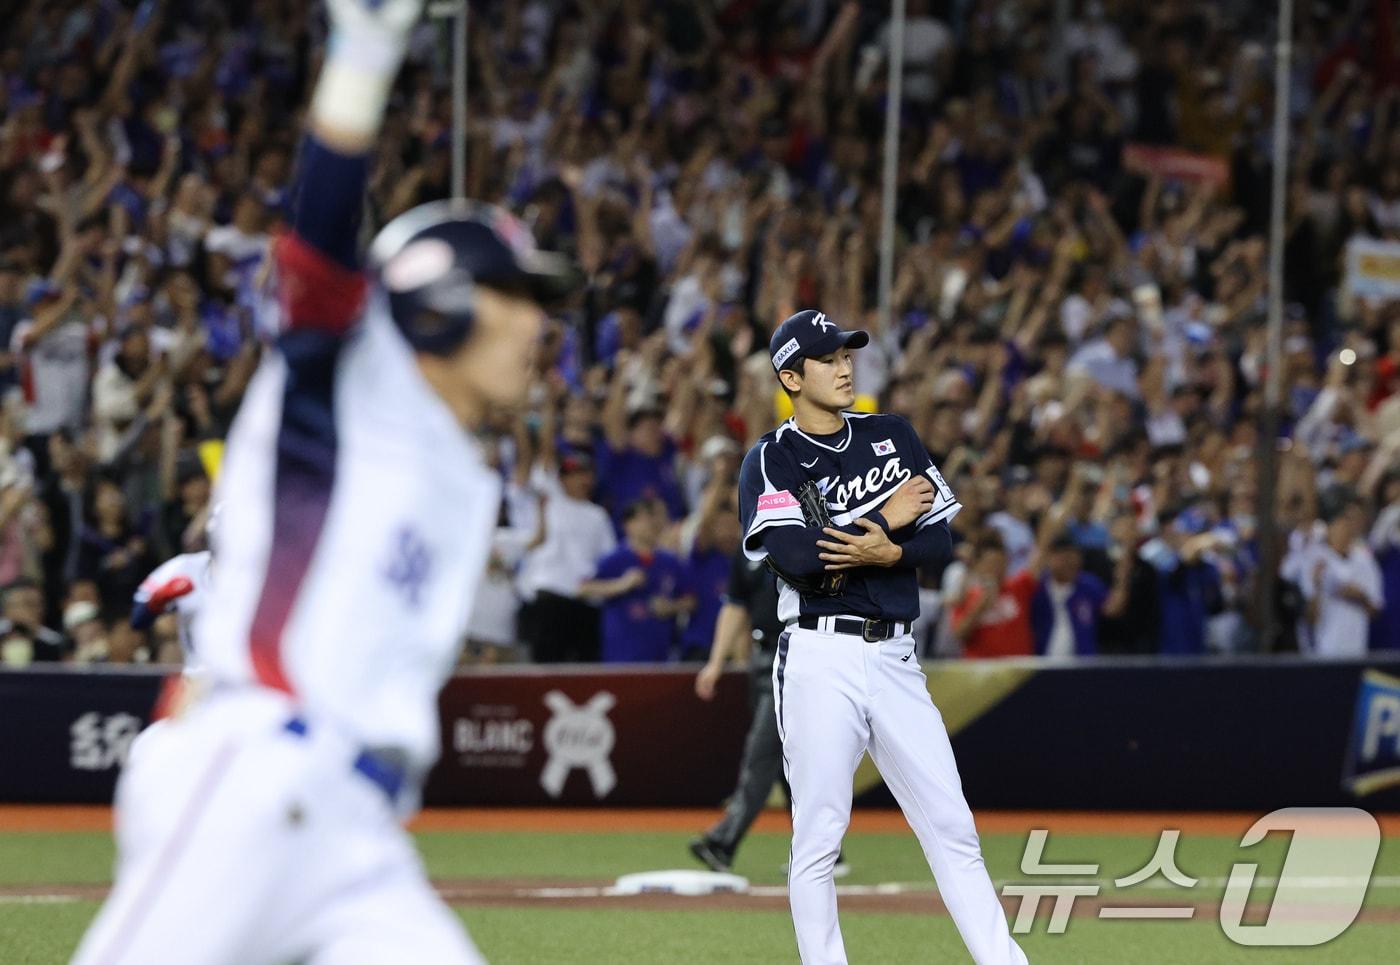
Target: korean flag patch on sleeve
pixel 883 448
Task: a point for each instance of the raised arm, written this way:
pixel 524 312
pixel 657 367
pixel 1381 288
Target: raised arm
pixel 321 284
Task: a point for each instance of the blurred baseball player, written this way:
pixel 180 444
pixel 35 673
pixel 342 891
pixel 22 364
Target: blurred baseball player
pixel 181 585
pixel 845 508
pixel 263 824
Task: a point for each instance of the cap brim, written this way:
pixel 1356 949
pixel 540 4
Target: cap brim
pixel 829 344
pixel 545 276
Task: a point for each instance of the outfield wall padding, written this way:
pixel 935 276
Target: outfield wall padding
pixel 1257 733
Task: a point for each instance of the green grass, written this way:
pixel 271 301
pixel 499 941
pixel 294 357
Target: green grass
pixel 56 858
pixel 509 936
pixel 46 933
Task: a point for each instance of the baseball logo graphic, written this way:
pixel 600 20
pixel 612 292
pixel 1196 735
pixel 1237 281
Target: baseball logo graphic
pixel 579 736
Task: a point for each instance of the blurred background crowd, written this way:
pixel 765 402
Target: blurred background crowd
pixel 1077 332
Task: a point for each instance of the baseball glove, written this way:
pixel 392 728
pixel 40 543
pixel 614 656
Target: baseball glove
pixel 814 512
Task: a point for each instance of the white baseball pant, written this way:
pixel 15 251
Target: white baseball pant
pixel 838 696
pixel 240 843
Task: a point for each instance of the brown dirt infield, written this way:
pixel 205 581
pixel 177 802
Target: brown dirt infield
pixel 533 893
pixel 544 893
pixel 40 817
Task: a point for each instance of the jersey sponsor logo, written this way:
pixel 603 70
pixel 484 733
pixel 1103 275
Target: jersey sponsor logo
pixel 883 448
pixel 788 350
pixel 859 487
pixel 809 465
pixel 579 736
pixel 769 502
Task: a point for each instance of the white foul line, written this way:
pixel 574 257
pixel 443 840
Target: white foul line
pixel 37 899
pixel 919 887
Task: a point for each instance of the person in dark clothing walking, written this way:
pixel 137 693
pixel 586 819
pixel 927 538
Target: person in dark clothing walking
pixel 748 620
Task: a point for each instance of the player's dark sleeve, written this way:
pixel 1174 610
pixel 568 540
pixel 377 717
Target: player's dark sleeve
pixel 320 284
pixel 772 516
pixel 328 200
pixel 142 616
pixel 144 607
pixel 945 504
pixel 930 545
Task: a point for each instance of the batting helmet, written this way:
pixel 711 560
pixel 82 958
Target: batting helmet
pixel 429 260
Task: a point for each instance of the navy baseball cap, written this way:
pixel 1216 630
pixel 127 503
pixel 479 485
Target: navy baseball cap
pixel 430 259
pixel 808 334
pixel 473 241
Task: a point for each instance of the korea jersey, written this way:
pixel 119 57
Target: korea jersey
pixel 857 469
pixel 195 568
pixel 357 516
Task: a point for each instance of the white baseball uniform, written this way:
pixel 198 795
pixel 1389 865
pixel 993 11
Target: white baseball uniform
pixel 263 825
pixel 847 681
pixel 194 567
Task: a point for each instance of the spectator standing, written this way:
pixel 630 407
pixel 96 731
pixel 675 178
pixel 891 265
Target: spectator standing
pixel 1385 547
pixel 992 618
pixel 11 314
pixel 123 387
pixel 495 625
pixel 641 589
pixel 63 494
pixel 560 624
pixel 1343 586
pixel 1067 604
pixel 637 454
pixel 747 624
pixel 1184 586
pixel 1109 360
pixel 1012 522
pixel 113 553
pixel 236 250
pixel 708 568
pixel 53 346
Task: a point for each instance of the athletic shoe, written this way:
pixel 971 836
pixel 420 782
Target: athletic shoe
pixel 711 855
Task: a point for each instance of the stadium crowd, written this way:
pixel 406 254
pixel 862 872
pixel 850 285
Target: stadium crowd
pixel 1077 332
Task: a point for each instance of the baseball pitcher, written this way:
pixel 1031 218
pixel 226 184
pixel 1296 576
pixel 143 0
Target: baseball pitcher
pixel 264 823
pixel 845 508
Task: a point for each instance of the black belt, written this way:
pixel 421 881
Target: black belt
pixel 870 630
pixel 385 775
